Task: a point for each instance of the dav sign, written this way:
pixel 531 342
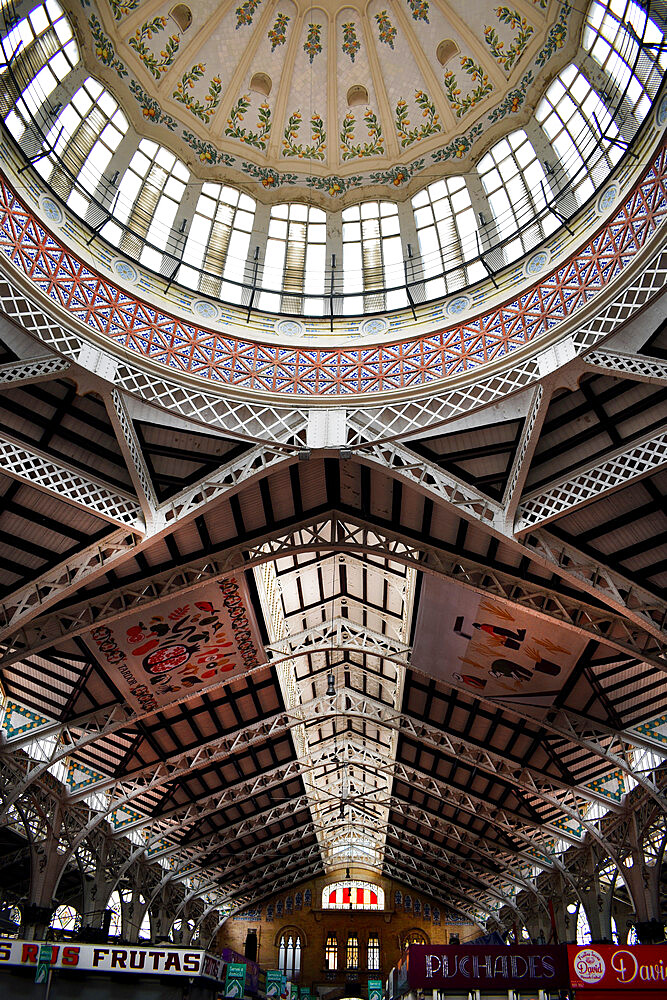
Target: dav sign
pixel 634 968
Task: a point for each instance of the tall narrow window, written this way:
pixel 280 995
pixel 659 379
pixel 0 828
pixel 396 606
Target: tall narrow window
pixel 295 259
pixel 517 188
pixel 331 953
pixel 150 192
pixel 447 232
pixel 218 242
pixel 372 257
pixel 352 952
pixel 574 119
pixel 373 953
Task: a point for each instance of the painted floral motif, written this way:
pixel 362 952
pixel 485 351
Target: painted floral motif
pixel 556 37
pixel 121 7
pixel 512 101
pixel 150 107
pixel 263 126
pixel 206 152
pixel 277 33
pixel 507 57
pixel 246 12
pixel 397 175
pixel 386 30
pixel 458 104
pixel 419 10
pixel 350 148
pixel 351 43
pixel 313 45
pixel 429 127
pixel 104 49
pixel 182 94
pixel 269 178
pixel 541 3
pixel 138 42
pixel 318 136
pixel 334 185
pixel 458 147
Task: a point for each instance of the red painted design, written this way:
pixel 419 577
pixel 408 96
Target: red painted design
pixel 226 360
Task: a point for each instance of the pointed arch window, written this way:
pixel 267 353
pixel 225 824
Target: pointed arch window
pixel 352 952
pixel 289 955
pixel 331 953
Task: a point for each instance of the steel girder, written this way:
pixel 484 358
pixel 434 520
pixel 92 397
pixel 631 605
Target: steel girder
pixel 38 469
pixel 336 532
pixel 626 465
pixel 30 370
pixel 622 364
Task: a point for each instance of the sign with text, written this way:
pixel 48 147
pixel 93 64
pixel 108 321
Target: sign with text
pixel 187 643
pixel 480 967
pixel 274 984
pixel 97 958
pixel 633 968
pixel 374 989
pixel 235 980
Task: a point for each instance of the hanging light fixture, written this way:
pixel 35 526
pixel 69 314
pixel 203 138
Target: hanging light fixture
pixel 331 685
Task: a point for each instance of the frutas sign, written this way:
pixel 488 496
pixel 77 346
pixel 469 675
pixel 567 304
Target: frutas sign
pixel 482 966
pixel 95 958
pixel 616 967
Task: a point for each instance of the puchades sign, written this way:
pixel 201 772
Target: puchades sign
pixel 153 960
pixel 491 647
pixel 190 642
pixel 630 968
pixel 439 967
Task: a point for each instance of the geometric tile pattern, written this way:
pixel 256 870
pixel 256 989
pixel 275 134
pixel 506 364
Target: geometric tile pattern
pixel 419 362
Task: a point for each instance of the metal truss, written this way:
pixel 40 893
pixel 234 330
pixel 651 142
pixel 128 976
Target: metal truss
pixel 623 365
pixel 65 578
pixel 339 634
pixel 617 470
pixel 41 471
pixel 340 533
pixel 33 370
pixel 131 450
pixel 530 433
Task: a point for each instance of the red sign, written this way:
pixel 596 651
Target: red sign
pixel 438 967
pixel 635 968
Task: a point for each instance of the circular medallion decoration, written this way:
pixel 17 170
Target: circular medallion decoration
pixel 607 198
pixel 589 966
pixel 458 305
pixel 52 210
pixel 661 113
pixel 537 262
pixel 375 326
pixel 205 309
pixel 289 328
pixel 125 271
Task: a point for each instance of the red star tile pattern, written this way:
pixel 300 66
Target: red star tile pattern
pixel 414 363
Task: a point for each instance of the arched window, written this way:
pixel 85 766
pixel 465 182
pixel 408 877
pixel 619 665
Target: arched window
pixel 352 952
pixel 218 242
pixel 331 953
pixel 447 232
pixel 415 936
pixel 373 953
pixel 289 955
pixel 145 929
pixel 352 895
pixel 372 256
pixel 295 259
pixel 66 918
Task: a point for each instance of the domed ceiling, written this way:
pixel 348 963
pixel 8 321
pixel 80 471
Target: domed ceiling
pixel 334 97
